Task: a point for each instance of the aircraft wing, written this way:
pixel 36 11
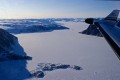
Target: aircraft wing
pixel 113 15
pixel 111 34
pixel 110 29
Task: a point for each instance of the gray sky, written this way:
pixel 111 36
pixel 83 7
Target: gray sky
pixel 56 8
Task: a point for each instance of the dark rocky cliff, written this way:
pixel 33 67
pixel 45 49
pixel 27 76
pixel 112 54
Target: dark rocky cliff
pixel 92 30
pixel 10 47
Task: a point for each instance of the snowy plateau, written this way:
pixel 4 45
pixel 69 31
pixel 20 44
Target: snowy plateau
pixel 53 49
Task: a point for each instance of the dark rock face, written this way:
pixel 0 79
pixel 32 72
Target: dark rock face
pixel 51 67
pixel 17 26
pixel 92 30
pixel 38 74
pixel 43 67
pixel 118 24
pixel 10 49
pixel 12 58
pixel 34 28
pixel 6 40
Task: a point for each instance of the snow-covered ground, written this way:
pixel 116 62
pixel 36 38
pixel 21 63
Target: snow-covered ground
pixel 93 54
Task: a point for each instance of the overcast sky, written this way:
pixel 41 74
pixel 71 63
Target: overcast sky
pixel 56 8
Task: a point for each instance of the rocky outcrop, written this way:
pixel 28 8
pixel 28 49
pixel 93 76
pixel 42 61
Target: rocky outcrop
pixel 10 48
pixel 30 25
pixel 92 30
pixel 43 67
pixel 12 58
pixel 118 24
pixel 6 40
pixel 34 28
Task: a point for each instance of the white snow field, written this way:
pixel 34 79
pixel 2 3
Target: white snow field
pixel 92 53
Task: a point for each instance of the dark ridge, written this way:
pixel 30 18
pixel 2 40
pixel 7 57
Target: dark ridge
pixel 12 58
pixel 10 49
pixel 118 24
pixel 34 28
pixel 30 25
pixel 92 30
pixel 6 40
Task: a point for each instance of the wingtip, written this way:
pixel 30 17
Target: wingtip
pixel 113 15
